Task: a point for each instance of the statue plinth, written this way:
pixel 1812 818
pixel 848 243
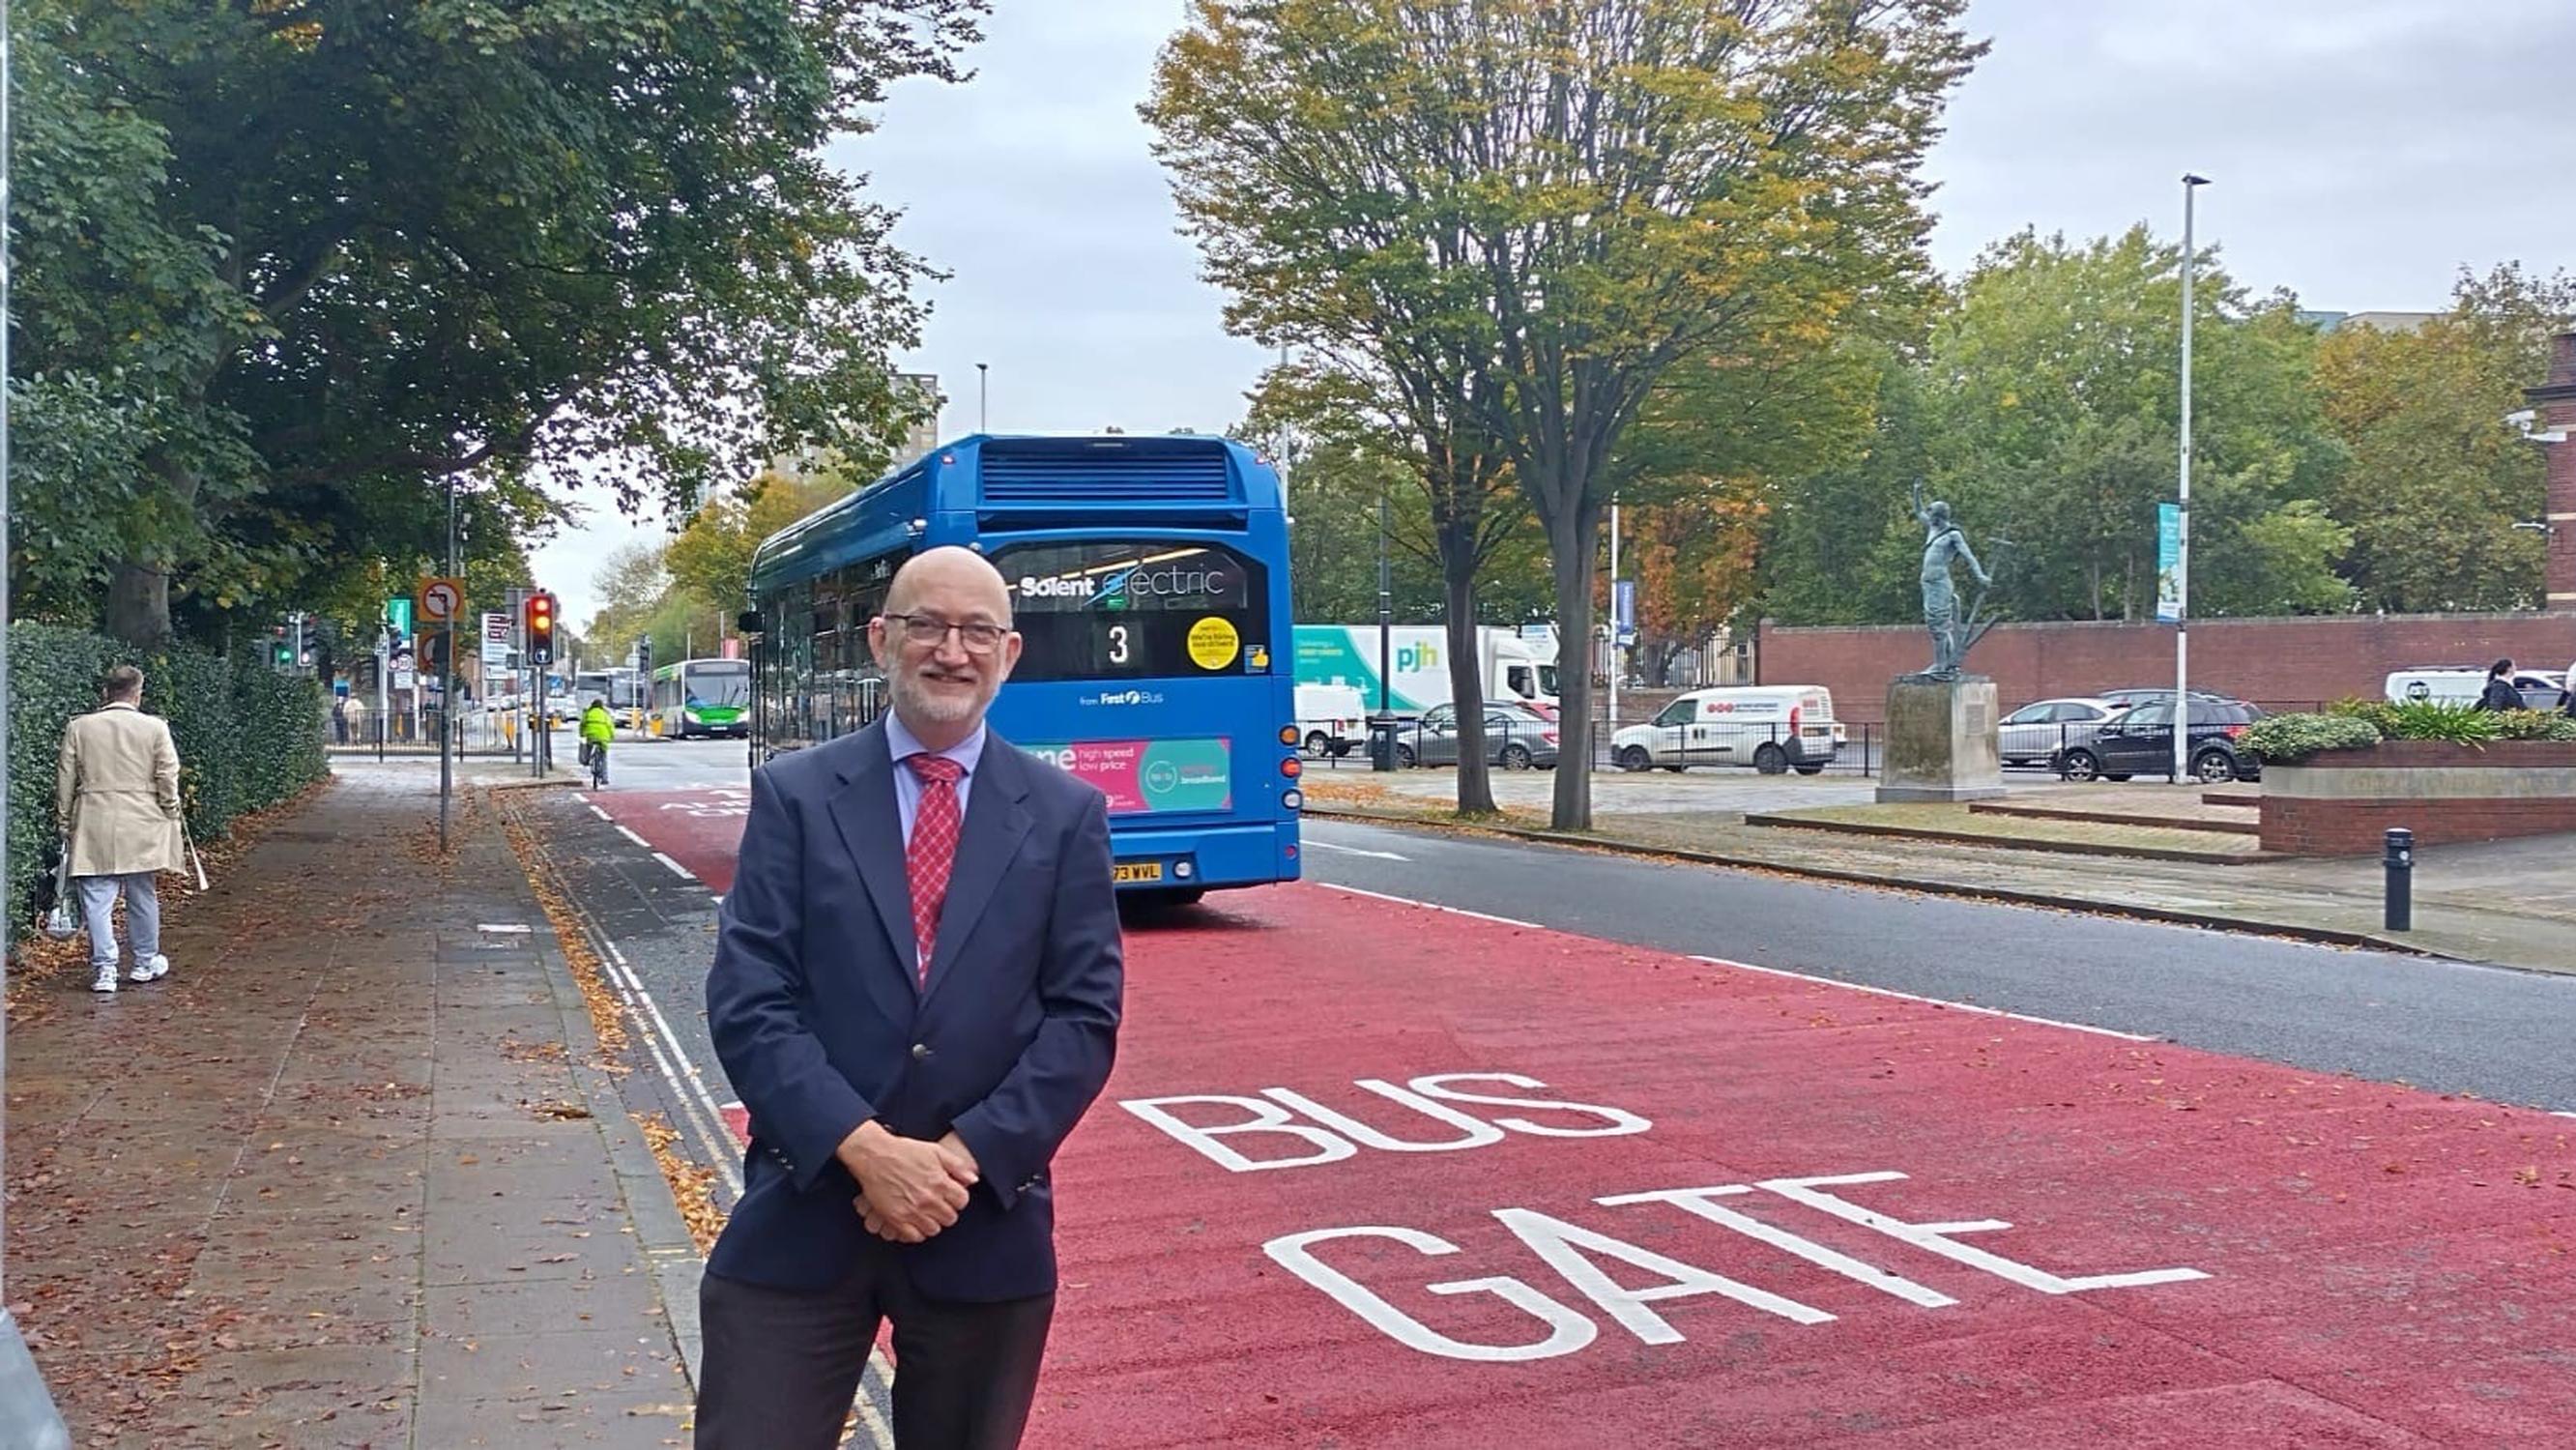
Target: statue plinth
pixel 1941 742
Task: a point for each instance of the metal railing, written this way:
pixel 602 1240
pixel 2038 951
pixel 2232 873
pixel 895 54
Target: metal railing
pixel 484 734
pixel 1511 744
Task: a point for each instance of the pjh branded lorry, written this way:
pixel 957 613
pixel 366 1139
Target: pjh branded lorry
pixel 1513 669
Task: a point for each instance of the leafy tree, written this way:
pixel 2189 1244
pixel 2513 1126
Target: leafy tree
pixel 2438 477
pixel 1838 546
pixel 1529 211
pixel 1462 514
pixel 317 252
pixel 711 556
pixel 2054 394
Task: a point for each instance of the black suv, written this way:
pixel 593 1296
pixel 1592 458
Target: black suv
pixel 2140 742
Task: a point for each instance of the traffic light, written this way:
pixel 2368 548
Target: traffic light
pixel 644 655
pixel 279 650
pixel 541 629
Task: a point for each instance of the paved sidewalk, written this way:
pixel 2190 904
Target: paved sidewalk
pixel 2507 902
pixel 350 1176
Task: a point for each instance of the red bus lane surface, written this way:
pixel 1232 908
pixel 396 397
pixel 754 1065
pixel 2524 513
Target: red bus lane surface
pixel 700 829
pixel 1375 1174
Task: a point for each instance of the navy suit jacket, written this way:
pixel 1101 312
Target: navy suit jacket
pixel 813 1006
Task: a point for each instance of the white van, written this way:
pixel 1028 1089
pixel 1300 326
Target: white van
pixel 1331 719
pixel 1769 727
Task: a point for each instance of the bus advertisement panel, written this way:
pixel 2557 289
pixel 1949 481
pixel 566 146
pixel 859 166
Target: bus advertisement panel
pixel 1148 582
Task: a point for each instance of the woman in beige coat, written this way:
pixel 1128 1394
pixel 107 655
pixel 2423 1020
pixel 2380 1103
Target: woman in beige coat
pixel 116 790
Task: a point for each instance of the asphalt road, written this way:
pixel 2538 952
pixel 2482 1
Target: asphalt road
pixel 2451 1027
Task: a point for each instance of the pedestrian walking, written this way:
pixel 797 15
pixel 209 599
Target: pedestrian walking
pixel 2500 693
pixel 116 791
pixel 916 993
pixel 340 719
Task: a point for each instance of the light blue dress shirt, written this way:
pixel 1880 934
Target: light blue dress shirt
pixel 968 753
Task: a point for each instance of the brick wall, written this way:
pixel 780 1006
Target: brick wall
pixel 2341 803
pixel 2556 400
pixel 2288 662
pixel 2358 827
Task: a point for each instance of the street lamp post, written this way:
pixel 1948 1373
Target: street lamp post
pixel 27 1413
pixel 983 398
pixel 2182 544
pixel 1382 727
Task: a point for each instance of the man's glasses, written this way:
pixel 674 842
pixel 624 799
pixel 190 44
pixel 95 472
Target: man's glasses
pixel 932 631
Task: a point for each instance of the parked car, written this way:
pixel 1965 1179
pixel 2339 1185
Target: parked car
pixel 1516 738
pixel 2140 742
pixel 1772 728
pixel 2033 734
pixel 2140 694
pixel 2464 684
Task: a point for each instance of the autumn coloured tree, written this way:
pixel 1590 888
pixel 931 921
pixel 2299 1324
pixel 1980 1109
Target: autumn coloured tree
pixel 1532 210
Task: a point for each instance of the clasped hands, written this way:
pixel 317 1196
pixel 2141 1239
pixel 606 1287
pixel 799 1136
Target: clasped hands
pixel 909 1189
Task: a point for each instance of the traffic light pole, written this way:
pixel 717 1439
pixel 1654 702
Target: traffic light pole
pixel 447 680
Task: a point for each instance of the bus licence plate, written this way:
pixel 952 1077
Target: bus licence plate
pixel 1138 871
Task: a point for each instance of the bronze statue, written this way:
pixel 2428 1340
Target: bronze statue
pixel 1953 634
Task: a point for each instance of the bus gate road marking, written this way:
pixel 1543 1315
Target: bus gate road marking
pixel 1393 1177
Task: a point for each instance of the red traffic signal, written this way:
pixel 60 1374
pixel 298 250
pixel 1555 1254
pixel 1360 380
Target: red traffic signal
pixel 540 623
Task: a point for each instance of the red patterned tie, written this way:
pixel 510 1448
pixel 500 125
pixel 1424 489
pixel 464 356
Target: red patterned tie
pixel 933 848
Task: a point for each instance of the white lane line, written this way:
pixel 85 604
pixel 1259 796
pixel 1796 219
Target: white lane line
pixel 1777 971
pixel 596 811
pixel 689 1086
pixel 507 928
pixel 1432 905
pixel 1917 997
pixel 1354 850
pixel 705 1117
pixel 629 834
pixel 676 868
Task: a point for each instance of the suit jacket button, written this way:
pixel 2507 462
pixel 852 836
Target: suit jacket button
pixel 920 1051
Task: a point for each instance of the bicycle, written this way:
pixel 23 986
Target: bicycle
pixel 598 752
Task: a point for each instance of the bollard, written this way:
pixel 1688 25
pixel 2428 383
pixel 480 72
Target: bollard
pixel 2399 859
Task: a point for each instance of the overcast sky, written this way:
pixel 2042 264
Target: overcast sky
pixel 2361 151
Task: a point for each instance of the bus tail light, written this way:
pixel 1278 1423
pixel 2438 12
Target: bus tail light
pixel 1287 734
pixel 1294 800
pixel 1292 767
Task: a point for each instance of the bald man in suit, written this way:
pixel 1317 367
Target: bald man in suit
pixel 916 992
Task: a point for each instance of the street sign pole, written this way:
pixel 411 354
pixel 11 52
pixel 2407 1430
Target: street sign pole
pixel 447 680
pixel 2182 536
pixel 27 1413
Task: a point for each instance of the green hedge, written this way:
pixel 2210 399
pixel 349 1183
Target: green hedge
pixel 248 737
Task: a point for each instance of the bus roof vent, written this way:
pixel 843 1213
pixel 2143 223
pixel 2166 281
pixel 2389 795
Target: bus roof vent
pixel 1039 472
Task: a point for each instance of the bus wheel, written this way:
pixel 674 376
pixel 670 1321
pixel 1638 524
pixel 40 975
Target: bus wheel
pixel 1634 757
pixel 1771 760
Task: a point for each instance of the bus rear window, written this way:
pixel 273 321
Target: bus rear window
pixel 1104 609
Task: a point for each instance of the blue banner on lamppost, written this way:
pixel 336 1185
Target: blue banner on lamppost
pixel 2168 563
pixel 1623 610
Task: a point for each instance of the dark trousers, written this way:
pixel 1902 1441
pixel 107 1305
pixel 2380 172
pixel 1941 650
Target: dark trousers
pixel 782 1366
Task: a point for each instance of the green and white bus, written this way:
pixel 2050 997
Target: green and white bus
pixel 700 698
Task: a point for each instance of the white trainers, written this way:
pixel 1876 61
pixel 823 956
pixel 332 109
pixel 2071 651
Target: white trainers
pixel 105 979
pixel 151 971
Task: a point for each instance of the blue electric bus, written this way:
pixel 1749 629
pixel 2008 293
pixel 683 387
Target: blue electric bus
pixel 1149 581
